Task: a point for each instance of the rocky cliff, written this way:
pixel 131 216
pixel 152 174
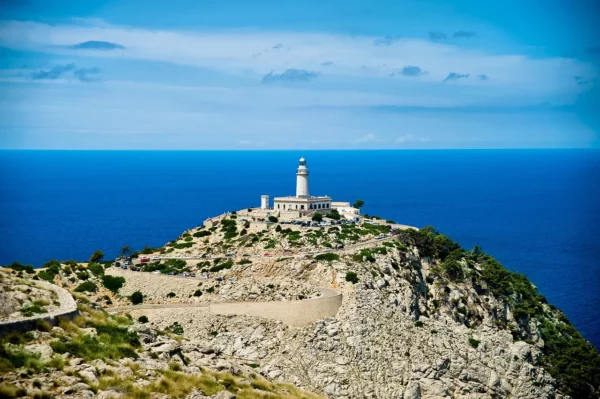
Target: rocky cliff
pixel 420 318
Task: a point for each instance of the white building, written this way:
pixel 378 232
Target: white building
pixel 302 202
pixel 346 211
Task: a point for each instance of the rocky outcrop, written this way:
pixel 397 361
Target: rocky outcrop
pixel 25 301
pixel 386 341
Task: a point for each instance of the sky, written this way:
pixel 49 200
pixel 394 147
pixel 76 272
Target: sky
pixel 245 75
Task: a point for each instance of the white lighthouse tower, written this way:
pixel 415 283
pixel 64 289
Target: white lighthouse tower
pixel 302 180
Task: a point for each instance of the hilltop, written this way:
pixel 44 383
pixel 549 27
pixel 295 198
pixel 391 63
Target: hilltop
pixel 421 317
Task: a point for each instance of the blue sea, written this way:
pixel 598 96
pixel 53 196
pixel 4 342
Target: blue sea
pixel 536 211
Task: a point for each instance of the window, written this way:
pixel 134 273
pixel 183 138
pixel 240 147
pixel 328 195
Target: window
pixel 301 206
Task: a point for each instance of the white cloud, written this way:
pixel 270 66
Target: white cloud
pixel 252 52
pixel 367 138
pixel 410 138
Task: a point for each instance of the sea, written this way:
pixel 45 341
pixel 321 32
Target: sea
pixel 536 211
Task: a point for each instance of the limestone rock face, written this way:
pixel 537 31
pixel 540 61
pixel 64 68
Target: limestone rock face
pixel 395 336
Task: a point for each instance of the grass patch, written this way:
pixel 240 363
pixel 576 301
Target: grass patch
pixel 328 257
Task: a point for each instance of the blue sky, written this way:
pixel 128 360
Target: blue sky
pixel 299 75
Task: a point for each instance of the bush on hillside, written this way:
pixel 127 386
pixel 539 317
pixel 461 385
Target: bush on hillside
pixel 96 268
pixel 136 298
pixel 113 283
pixel 352 277
pixel 203 233
pixel 96 256
pixel 317 217
pixel 273 219
pixel 334 214
pixel 143 319
pixel 86 286
pixel 20 268
pixel 328 257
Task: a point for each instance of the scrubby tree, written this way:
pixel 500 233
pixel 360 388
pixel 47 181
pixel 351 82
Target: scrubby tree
pixel 113 283
pixel 273 219
pixel 137 298
pixel 352 277
pixel 125 251
pixel 334 214
pixel 317 217
pixel 358 204
pixel 97 256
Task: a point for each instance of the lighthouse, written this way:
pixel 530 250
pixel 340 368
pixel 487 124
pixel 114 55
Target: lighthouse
pixel 302 179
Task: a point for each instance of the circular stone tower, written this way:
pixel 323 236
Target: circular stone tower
pixel 302 179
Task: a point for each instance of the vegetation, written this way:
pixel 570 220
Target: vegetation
pixel 352 277
pixel 96 268
pixel 474 343
pixel 317 217
pixel 175 328
pixel 143 319
pixel 202 233
pixel 136 298
pixel 273 219
pixel 32 308
pixel 97 256
pixel 568 357
pixel 334 214
pixel 176 384
pixel 222 266
pixel 113 341
pixel 86 286
pixel 113 283
pixel 328 257
pixel 358 204
pixel 198 293
pixel 21 268
pixel 171 295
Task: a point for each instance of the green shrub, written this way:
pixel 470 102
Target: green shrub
pixel 82 275
pixel 171 295
pixel 31 309
pixel 86 286
pixel 113 283
pixel 175 328
pixel 317 217
pixel 198 293
pixel 222 266
pixel 188 239
pixel 334 214
pixel 183 245
pixel 273 219
pixel 43 325
pixel 352 277
pixel 244 262
pixel 137 298
pixel 96 256
pixel 96 268
pixel 143 319
pixel 328 257
pixel 474 343
pixel 419 323
pixel 21 268
pixel 202 233
pixel 45 275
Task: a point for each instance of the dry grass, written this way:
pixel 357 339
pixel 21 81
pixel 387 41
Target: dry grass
pixel 179 385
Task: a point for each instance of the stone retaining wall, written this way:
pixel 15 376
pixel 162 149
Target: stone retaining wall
pixel 68 308
pixel 294 313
